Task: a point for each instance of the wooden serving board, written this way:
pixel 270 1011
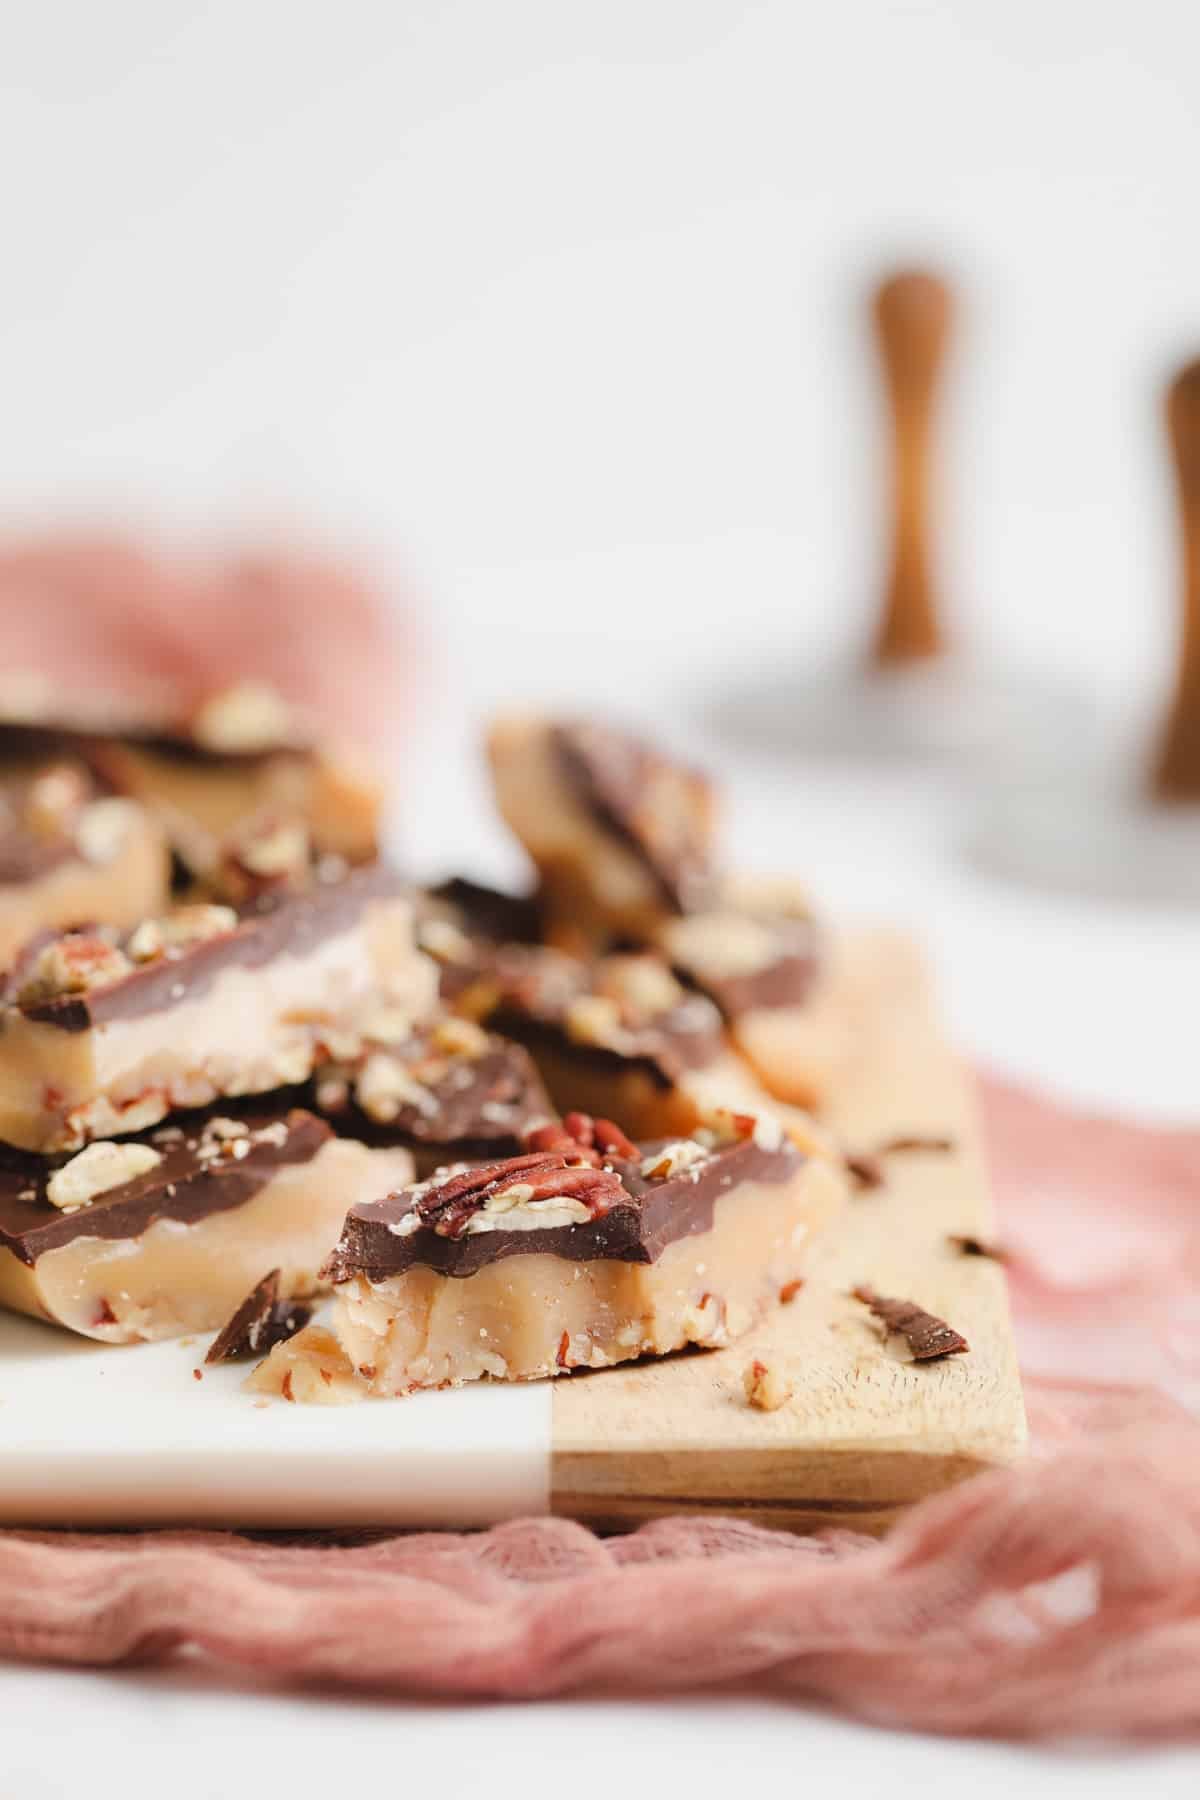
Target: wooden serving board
pixel 865 1432
pixel 94 1435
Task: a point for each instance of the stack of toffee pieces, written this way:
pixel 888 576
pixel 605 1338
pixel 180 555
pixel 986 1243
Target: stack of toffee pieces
pixel 242 1061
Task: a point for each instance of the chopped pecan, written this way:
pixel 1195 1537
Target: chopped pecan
pixel 73 964
pixel 582 1136
pixel 767 1387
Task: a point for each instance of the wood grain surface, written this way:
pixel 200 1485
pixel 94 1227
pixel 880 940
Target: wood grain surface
pixel 866 1431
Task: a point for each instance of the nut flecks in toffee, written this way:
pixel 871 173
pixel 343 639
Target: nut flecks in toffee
pixel 260 1322
pixel 208 1163
pixel 622 1207
pixel 657 808
pixel 927 1336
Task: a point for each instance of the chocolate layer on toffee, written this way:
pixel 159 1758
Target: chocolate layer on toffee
pixel 463 925
pixel 208 1163
pixel 447 1094
pixel 657 808
pixel 619 1014
pixel 744 961
pixel 625 1208
pixel 271 926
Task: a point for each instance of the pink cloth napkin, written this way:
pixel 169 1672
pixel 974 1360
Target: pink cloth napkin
pixel 1062 1597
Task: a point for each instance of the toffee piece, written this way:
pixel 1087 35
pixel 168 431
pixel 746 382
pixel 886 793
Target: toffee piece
pixel 243 752
pixel 103 1033
pixel 70 852
pixel 585 1251
pixel 620 1037
pixel 448 1093
pixel 165 1233
pixel 621 835
pixel 757 955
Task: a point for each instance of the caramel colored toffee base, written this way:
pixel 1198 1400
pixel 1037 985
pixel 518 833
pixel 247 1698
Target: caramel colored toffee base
pixel 188 1275
pixel 532 1316
pixel 586 1250
pixel 798 1053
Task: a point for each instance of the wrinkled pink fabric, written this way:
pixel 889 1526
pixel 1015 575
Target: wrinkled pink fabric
pixel 1061 1597
pixel 88 608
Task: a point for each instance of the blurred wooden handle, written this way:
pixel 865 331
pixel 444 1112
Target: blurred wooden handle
pixel 912 317
pixel 1177 776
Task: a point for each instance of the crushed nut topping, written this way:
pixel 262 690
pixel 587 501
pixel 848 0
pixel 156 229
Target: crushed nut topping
pixel 265 855
pixel 103 829
pixel 227 1128
pixel 767 1388
pixel 97 1170
pixel 443 940
pixel 594 1019
pixel 721 1127
pixel 247 716
pixel 461 1037
pixel 721 946
pixel 74 964
pixel 180 930
pixel 53 799
pixel 673 1159
pixel 384 1087
pixel 643 983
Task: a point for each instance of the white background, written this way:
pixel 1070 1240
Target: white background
pixel 554 309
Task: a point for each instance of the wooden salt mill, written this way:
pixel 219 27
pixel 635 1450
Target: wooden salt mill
pixel 1177 774
pixel 913 311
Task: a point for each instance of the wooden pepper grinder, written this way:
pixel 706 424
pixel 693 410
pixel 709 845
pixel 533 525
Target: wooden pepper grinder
pixel 1177 776
pixel 912 310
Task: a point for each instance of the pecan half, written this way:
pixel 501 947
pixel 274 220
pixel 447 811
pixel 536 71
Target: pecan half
pixel 449 1205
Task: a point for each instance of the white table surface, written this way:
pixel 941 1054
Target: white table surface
pixel 1095 1001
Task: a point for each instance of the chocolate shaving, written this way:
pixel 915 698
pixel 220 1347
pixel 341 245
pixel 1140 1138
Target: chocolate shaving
pixel 865 1171
pixel 973 1246
pixel 927 1336
pixel 260 1322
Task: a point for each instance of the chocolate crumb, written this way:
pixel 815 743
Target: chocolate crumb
pixel 973 1246
pixel 260 1322
pixel 197 1374
pixel 927 1336
pixel 899 1146
pixel 865 1171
